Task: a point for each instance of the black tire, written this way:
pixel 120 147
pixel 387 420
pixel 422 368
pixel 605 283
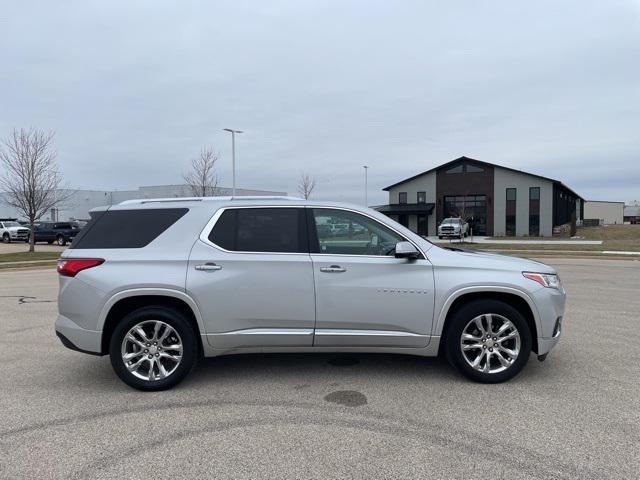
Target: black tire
pixel 459 321
pixel 6 238
pixel 440 237
pixel 179 323
pixel 60 240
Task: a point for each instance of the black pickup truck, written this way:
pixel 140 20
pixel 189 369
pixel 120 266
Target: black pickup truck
pixel 59 232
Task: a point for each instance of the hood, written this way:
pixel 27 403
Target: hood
pixel 15 229
pixel 477 259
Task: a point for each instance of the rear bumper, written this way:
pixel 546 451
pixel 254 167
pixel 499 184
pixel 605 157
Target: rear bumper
pixel 77 338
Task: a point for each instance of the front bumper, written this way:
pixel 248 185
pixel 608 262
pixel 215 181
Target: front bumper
pixel 448 234
pixel 550 303
pixel 78 338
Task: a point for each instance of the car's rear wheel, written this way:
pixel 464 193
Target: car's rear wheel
pixel 488 341
pixel 61 241
pixel 153 348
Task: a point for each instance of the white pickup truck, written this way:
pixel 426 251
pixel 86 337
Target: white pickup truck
pixel 453 227
pixel 12 231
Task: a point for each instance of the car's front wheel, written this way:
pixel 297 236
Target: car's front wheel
pixel 153 348
pixel 488 341
pixel 6 238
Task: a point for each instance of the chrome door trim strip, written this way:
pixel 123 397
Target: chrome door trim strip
pixel 368 333
pixel 268 331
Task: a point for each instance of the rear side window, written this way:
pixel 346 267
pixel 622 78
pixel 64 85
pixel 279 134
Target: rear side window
pixel 127 228
pixel 279 230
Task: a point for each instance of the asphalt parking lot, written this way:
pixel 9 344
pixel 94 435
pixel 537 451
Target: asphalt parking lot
pixel 577 415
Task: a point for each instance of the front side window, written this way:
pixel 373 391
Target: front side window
pixel 268 230
pixel 402 197
pixel 340 232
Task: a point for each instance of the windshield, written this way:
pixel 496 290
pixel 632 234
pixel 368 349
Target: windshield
pixel 11 224
pixel 451 220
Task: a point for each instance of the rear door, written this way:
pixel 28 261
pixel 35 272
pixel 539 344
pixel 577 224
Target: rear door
pixel 364 295
pixel 45 232
pixel 252 277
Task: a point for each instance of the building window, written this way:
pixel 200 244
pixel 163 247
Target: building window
pixel 422 197
pixel 510 211
pixel 402 197
pixel 534 193
pixel 465 168
pixel 403 220
pixel 534 225
pixel 423 225
pixel 534 211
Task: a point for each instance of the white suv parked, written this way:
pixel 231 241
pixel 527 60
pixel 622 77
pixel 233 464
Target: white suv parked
pixel 156 284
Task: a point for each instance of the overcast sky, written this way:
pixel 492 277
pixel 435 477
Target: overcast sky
pixel 134 89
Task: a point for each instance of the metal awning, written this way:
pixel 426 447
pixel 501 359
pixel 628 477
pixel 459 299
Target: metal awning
pixel 406 208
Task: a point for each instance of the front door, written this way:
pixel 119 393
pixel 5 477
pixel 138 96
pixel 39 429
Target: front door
pixel 252 278
pixel 364 295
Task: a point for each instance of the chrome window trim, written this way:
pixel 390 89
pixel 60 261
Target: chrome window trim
pixel 204 234
pixel 375 220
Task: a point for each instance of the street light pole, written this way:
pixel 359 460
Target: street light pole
pixel 233 157
pixel 366 186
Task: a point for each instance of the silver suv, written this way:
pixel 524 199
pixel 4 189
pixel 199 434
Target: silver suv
pixel 156 284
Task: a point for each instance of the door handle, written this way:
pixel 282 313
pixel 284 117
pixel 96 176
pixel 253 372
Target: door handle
pixel 333 269
pixel 208 267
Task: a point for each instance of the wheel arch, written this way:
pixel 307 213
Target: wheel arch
pixel 511 296
pixel 130 300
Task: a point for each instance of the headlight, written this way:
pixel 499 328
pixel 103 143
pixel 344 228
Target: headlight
pixel 548 280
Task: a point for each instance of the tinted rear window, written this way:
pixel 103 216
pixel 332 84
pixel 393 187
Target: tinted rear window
pixel 278 230
pixel 127 228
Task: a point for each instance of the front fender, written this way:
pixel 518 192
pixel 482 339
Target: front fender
pixel 442 315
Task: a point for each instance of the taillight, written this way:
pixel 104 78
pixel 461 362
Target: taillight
pixel 69 267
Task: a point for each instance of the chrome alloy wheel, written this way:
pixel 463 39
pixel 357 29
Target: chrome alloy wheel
pixel 490 343
pixel 152 350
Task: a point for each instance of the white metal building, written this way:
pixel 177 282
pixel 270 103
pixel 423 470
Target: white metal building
pixel 608 213
pixel 81 201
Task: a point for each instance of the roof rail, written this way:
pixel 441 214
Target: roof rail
pixel 200 199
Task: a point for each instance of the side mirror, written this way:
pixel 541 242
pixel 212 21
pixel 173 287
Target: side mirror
pixel 406 250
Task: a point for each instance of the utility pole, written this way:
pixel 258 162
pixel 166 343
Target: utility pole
pixel 366 186
pixel 233 157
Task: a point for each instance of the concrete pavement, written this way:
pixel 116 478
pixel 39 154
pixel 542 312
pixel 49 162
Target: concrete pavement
pixel 577 415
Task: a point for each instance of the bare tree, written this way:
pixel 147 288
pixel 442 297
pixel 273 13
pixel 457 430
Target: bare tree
pixel 32 182
pixel 202 179
pixel 306 184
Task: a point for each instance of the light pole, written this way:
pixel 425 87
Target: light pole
pixel 233 157
pixel 366 189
